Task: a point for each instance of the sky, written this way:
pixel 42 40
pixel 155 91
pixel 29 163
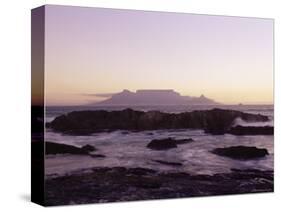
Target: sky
pixel 98 51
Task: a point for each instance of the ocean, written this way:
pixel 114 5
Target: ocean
pixel 128 149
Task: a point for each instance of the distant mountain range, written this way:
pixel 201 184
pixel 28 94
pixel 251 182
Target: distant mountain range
pixel 155 97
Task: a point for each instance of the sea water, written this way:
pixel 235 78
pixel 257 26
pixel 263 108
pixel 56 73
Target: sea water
pixel 128 149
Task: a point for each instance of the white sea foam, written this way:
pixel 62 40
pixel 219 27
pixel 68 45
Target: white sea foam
pixel 241 122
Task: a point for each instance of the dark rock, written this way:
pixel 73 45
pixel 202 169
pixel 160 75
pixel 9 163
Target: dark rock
pixel 147 183
pixel 141 171
pixel 249 130
pixel 56 148
pixel 97 156
pixel 88 148
pixel 241 152
pixel 167 143
pixel 215 121
pixel 52 148
pixel 220 121
pixel 183 141
pixel 176 175
pixel 168 163
pixel 119 184
pixel 253 173
pixel 48 125
pixel 162 144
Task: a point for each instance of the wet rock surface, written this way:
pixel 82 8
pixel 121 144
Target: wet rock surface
pixel 88 148
pixel 55 148
pixel 215 121
pixel 127 184
pixel 97 156
pixel 167 143
pixel 183 141
pixel 161 144
pixel 249 130
pixel 241 152
pixel 169 163
pixel 52 148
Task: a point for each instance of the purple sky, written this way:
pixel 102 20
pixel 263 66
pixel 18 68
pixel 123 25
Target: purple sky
pixel 94 50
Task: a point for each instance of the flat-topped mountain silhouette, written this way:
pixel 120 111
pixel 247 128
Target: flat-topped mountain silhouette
pixel 155 97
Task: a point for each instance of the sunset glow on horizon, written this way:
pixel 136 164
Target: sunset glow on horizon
pixel 94 50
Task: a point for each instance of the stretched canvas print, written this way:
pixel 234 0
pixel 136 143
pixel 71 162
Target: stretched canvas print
pixel 141 105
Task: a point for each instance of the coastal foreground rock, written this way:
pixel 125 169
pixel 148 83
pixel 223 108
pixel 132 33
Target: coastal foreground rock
pixel 241 152
pixel 101 185
pixel 215 121
pixel 52 148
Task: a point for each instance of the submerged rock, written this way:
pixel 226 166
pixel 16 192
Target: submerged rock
pixel 167 143
pixel 168 163
pixel 88 148
pixel 241 152
pixel 183 141
pixel 97 156
pixel 162 144
pixel 215 121
pixel 249 130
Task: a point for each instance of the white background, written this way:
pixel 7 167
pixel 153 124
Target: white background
pixel 15 104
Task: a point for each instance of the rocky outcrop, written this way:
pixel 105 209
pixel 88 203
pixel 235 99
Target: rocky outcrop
pixel 167 143
pixel 161 144
pixel 127 184
pixel 249 130
pixel 88 148
pixel 216 121
pixel 52 148
pixel 241 152
pixel 55 148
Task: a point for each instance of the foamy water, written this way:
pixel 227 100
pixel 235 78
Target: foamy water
pixel 241 122
pixel 128 149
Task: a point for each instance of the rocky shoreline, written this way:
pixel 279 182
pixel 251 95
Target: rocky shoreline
pixel 52 148
pixel 100 185
pixel 215 121
pixel 114 184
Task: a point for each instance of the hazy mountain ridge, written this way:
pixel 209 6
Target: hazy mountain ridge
pixel 155 97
